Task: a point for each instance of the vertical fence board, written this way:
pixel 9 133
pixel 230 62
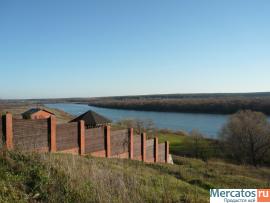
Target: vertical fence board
pixel 30 134
pixel 150 150
pixel 95 140
pixel 119 143
pixel 161 152
pixel 67 137
pixel 137 147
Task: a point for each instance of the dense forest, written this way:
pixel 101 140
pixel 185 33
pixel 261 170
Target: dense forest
pixel 189 103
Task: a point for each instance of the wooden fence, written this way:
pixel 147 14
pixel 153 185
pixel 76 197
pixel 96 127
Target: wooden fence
pixel 47 136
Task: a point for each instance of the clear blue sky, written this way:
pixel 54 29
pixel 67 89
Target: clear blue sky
pixel 85 48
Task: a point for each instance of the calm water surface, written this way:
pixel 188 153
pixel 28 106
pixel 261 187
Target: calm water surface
pixel 208 124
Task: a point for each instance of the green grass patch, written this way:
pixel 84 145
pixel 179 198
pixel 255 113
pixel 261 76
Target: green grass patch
pixel 184 145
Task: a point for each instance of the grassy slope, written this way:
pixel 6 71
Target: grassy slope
pixel 69 178
pixel 175 141
pixel 182 144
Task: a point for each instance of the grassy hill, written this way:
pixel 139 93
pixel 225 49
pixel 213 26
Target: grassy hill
pixel 69 178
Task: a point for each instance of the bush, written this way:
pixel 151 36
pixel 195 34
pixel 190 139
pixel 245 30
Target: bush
pixel 246 137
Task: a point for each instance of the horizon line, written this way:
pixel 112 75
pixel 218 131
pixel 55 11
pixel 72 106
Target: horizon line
pixel 138 95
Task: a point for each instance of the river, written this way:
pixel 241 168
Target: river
pixel 208 124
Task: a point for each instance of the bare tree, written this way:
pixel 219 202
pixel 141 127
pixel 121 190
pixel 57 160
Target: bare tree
pixel 146 125
pixel 247 137
pixel 127 123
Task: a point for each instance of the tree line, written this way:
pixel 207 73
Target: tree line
pixel 214 105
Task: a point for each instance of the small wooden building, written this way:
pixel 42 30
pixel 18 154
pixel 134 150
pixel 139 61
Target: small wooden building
pixel 92 119
pixel 37 113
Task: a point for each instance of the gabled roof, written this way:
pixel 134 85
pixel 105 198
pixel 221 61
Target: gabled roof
pixel 92 118
pixel 34 110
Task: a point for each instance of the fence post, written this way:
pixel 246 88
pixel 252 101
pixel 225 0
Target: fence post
pixel 9 131
pixel 52 129
pixel 131 148
pixel 82 137
pixel 108 140
pixel 156 149
pixel 143 137
pixel 167 152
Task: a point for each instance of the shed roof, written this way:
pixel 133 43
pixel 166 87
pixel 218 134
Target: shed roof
pixel 92 118
pixel 34 110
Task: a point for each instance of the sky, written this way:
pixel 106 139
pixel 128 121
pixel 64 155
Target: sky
pixel 90 48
